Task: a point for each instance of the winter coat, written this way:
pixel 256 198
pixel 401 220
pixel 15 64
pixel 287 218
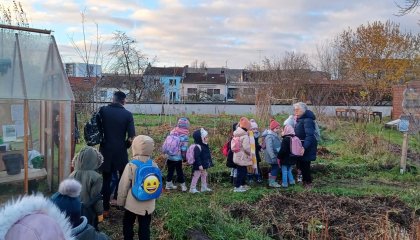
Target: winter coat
pixel 86 232
pixel 243 157
pixel 142 151
pixel 272 146
pixel 285 151
pixel 305 130
pixel 118 125
pixel 85 164
pixel 258 149
pixel 33 217
pixel 202 156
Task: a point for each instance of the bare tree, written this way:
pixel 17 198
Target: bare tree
pixel 130 61
pixel 408 7
pixel 328 56
pixel 13 15
pixel 203 65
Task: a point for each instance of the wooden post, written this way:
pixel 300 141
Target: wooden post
pixel 25 140
pixel 403 163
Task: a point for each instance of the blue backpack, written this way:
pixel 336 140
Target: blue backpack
pixel 147 183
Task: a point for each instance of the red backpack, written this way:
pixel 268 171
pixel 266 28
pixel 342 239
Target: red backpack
pixel 295 147
pixel 225 149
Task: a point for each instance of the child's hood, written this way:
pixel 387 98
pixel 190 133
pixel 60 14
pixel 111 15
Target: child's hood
pixel 88 159
pixel 265 133
pixel 197 137
pixel 142 146
pixel 239 132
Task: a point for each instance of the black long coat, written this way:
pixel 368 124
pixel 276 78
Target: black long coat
pixel 117 125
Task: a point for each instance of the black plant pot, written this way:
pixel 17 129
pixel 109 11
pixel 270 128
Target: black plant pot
pixel 13 163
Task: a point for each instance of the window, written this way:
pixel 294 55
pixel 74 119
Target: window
pixel 191 91
pixel 172 96
pixel 249 91
pixel 212 92
pixel 156 82
pixel 232 93
pixel 172 82
pixel 103 94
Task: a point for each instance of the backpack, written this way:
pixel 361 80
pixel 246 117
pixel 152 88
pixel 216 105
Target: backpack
pixel 317 133
pixel 147 182
pixel 225 148
pixel 235 144
pixel 295 147
pixel 190 153
pixel 171 145
pixel 93 132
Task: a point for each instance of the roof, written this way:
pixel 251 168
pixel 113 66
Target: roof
pixel 201 78
pixel 117 81
pixel 165 71
pixel 82 83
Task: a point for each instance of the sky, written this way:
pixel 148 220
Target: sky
pixel 221 33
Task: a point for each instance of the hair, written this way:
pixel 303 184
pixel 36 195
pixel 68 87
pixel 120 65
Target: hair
pixel 119 97
pixel 301 105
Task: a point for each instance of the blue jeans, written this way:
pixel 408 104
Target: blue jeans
pixel 286 174
pixel 274 170
pixel 240 180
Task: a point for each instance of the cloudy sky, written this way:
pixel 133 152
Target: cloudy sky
pixel 232 33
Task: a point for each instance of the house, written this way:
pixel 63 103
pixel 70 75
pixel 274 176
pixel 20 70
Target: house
pixel 169 77
pixel 205 87
pixel 82 70
pixel 110 83
pixel 82 88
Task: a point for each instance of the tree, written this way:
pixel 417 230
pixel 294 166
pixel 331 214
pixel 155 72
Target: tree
pixel 378 55
pixel 328 56
pixel 13 15
pixel 128 60
pixel 408 7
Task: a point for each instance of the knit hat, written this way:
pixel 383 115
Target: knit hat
pixel 274 124
pixel 183 123
pixel 203 134
pixel 67 199
pixel 244 123
pixel 142 146
pixel 254 124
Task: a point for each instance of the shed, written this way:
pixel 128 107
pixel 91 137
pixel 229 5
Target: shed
pixel 36 111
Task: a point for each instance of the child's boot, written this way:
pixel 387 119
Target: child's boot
pixel 194 190
pixel 272 182
pixel 184 187
pixel 170 186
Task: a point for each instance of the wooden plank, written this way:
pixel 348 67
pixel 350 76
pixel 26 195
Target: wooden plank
pixel 32 174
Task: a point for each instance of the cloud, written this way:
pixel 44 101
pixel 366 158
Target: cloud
pixel 179 31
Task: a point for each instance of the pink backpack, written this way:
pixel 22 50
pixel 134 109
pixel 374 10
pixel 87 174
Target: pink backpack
pixel 295 147
pixel 235 144
pixel 172 145
pixel 190 153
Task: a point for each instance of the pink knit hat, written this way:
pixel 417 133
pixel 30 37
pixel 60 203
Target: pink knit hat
pixel 274 124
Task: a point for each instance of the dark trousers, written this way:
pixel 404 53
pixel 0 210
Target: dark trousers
pixel 240 179
pixel 144 225
pixel 305 167
pixel 106 187
pixel 172 166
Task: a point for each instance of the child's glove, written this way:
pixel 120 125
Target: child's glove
pixel 100 218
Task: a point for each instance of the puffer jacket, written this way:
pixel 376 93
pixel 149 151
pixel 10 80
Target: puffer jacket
pixel 305 130
pixel 202 154
pixel 142 148
pixel 243 157
pixel 33 217
pixel 86 162
pixel 86 232
pixel 272 146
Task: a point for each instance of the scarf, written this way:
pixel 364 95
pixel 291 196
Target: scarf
pixel 253 154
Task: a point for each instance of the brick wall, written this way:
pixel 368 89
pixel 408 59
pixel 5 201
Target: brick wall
pixel 397 97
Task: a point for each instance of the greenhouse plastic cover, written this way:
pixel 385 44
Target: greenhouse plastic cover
pixel 31 68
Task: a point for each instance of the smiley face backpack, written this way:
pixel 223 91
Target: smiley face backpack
pixel 147 183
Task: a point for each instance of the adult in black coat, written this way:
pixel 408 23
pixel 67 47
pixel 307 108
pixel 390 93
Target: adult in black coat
pixel 305 131
pixel 118 128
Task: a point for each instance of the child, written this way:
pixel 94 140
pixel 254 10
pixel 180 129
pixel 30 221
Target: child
pixel 67 199
pixel 86 162
pixel 291 120
pixel 142 148
pixel 243 157
pixel 286 160
pixel 175 161
pixel 33 217
pixel 202 161
pixel 273 143
pixel 256 171
pixel 229 163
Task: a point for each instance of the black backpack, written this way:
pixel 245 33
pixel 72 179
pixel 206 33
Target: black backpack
pixel 93 132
